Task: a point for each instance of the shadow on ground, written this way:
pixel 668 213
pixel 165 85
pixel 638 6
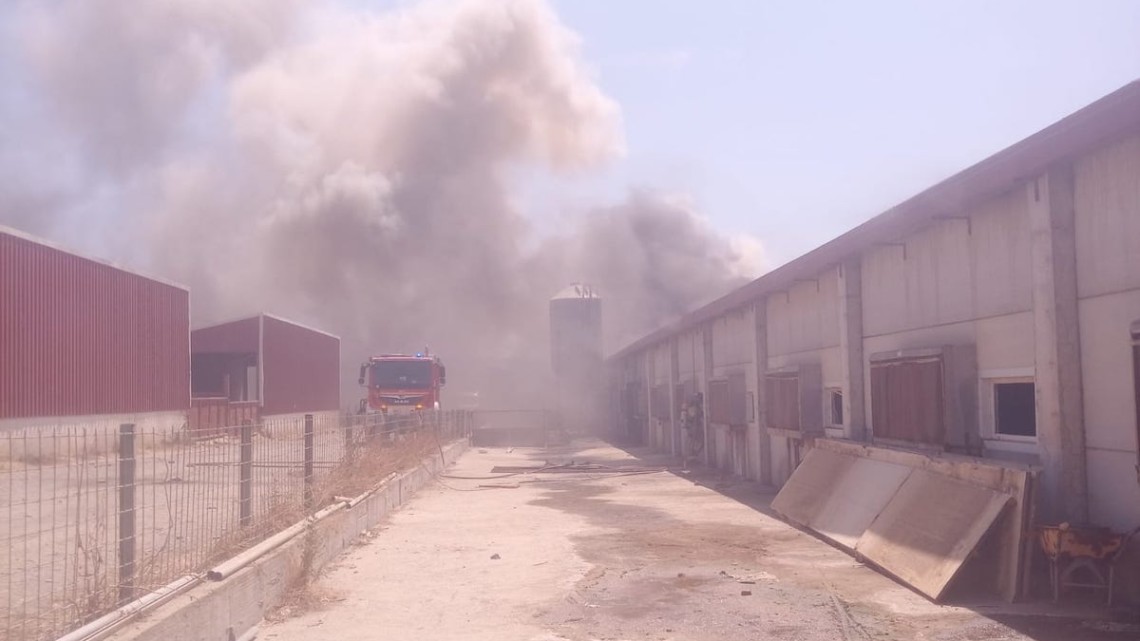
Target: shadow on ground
pixel 654 538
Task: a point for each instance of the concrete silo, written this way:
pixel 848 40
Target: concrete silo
pixel 576 357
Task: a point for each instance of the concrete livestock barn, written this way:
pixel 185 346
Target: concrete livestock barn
pixel 994 316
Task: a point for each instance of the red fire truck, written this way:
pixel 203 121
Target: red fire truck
pixel 402 383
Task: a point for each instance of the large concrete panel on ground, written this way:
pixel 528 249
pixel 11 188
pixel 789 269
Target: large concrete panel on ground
pixel 807 490
pixel 915 516
pixel 925 533
pixel 863 491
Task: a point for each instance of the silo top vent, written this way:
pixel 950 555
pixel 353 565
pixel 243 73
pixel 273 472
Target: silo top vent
pixel 577 290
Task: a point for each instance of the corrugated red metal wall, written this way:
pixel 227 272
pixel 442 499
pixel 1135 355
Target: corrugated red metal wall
pixel 215 350
pixel 78 337
pixel 301 369
pixel 235 337
pixel 214 416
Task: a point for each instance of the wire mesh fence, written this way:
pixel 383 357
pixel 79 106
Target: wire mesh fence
pixel 93 518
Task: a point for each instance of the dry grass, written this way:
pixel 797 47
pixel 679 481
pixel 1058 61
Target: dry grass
pixel 17 451
pixel 304 592
pixel 84 457
pixel 369 465
pixel 305 597
pixel 372 462
pixel 38 447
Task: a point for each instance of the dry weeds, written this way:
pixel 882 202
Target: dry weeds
pixel 48 446
pixel 305 594
pixel 368 461
pixel 366 467
pixel 372 462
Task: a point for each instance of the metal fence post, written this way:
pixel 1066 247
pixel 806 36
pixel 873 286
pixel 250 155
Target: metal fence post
pixel 126 512
pixel 245 515
pixel 308 462
pixel 349 426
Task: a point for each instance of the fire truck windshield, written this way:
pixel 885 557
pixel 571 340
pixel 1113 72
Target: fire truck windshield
pixel 401 374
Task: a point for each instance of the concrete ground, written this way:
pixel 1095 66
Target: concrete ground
pixel 592 556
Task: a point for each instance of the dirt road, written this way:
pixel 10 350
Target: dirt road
pixel 592 556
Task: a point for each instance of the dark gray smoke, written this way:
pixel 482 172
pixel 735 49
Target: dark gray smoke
pixel 654 259
pixel 350 170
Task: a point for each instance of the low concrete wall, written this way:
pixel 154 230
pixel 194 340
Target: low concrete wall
pixel 145 423
pixel 214 611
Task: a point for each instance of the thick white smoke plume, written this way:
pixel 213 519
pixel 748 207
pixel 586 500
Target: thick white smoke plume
pixel 343 167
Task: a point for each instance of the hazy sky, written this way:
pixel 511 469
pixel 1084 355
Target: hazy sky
pixel 794 121
pixel 791 122
pixel 283 155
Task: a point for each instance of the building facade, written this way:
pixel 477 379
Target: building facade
pixel 280 367
pixel 994 315
pixel 86 343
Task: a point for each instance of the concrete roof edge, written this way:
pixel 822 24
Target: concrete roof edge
pixel 1114 114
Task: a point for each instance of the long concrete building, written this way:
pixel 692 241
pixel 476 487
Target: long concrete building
pixel 994 315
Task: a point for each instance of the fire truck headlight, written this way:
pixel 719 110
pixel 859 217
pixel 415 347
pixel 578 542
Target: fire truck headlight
pixel 419 406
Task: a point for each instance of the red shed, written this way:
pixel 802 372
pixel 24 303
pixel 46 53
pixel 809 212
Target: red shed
pixel 285 366
pixel 80 337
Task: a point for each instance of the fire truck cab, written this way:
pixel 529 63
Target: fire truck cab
pixel 402 383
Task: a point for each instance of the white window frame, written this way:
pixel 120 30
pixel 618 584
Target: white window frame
pixel 828 417
pixel 987 405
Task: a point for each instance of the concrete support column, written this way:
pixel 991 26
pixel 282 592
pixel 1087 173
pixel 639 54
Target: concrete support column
pixel 851 349
pixel 707 353
pixel 674 402
pixel 1060 411
pixel 650 383
pixel 763 441
pixel 647 407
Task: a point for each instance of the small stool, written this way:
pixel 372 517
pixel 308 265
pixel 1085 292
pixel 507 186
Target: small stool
pixel 1087 550
pixel 1064 577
